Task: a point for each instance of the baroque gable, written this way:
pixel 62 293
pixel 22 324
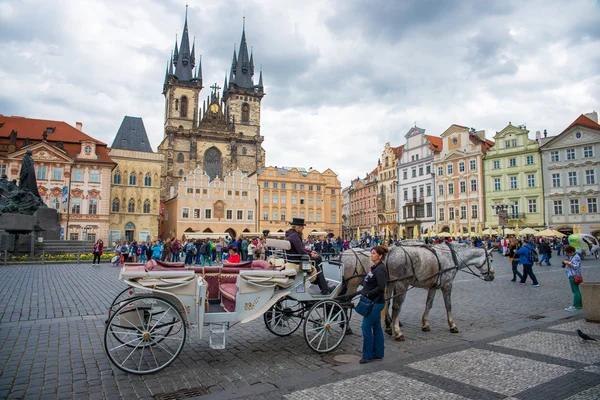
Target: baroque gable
pixel 42 152
pixel 573 137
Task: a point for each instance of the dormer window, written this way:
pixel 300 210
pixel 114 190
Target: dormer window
pixel 87 150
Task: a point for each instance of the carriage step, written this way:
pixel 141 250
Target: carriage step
pixel 217 335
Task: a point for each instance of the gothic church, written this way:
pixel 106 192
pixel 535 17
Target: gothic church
pixel 220 135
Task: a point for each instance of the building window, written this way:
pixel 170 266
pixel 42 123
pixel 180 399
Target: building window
pixel 461 166
pixel 473 185
pixel 555 180
pixel 74 236
pixel 180 158
pixel 474 211
pixel 450 169
pixel 185 213
pixel 283 215
pixel 472 165
pixel 554 156
pixel 529 160
pixel 496 164
pixel 507 144
pixel 440 192
pixel 276 199
pixel 116 205
pixel 420 171
pixel 131 206
pixel 574 206
pixel 301 214
pixel 293 199
pixel 302 200
pixel 592 205
pixel 451 213
pixel 197 213
pixel 318 216
pixel 57 174
pixel 41 172
pixel 55 202
pixel 229 214
pixel 558 210
pixel 184 107
pixel 147 180
pixel 180 172
pixel 117 178
pixel 570 154
pixel 333 204
pixel 3 170
pixel 463 212
pixel 275 215
pixel 513 182
pixel 92 206
pixel 318 202
pixel 428 190
pixel 250 215
pixel 532 204
pixel 311 216
pixel 265 198
pixel 463 187
pixel 441 212
pixel 572 178
pixel 590 177
pixel 132 179
pixel 429 209
pixel 207 213
pixel 274 185
pixel 588 151
pixel 266 215
pixel 530 181
pixel 76 205
pixel 266 185
pixel 451 188
pixel 333 218
pixel 440 172
pixel 497 184
pixel 283 199
pixel 245 112
pixel 512 162
pixel 95 176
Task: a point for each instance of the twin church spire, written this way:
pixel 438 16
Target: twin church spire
pixel 183 61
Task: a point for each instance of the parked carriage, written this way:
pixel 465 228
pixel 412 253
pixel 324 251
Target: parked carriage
pixel 166 303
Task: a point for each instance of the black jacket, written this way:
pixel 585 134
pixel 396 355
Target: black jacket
pixel 374 284
pixel 294 254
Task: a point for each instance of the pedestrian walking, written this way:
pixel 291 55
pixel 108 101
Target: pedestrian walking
pixel 525 254
pixel 546 253
pixel 98 251
pixel 374 290
pixel 513 246
pixel 573 266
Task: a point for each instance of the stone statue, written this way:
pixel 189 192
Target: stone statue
pixel 16 200
pixel 27 176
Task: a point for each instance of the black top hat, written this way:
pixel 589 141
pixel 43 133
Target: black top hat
pixel 298 222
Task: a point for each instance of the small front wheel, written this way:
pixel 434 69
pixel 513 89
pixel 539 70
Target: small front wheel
pixel 144 335
pixel 325 326
pixel 284 317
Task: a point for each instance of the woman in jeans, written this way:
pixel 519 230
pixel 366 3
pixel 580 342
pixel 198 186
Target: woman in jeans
pixel 374 290
pixel 573 265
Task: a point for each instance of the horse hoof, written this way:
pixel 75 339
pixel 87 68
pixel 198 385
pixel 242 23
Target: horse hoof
pixel 388 331
pixel 426 329
pixel 454 330
pixel 400 338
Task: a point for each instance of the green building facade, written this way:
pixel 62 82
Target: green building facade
pixel 513 181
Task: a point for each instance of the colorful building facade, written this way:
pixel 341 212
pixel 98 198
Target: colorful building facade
pixel 387 191
pixel 514 189
pixel 363 206
pixel 458 169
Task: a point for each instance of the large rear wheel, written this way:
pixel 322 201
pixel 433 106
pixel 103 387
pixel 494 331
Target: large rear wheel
pixel 325 326
pixel 144 335
pixel 284 317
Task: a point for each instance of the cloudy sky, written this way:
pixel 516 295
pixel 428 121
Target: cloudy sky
pixel 342 77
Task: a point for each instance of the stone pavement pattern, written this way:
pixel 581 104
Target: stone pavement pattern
pixel 52 316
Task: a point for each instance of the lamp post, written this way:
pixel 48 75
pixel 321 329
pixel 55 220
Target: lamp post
pixel 501 210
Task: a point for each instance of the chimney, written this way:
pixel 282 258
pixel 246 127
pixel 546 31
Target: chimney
pixel 593 116
pixel 538 135
pixel 78 125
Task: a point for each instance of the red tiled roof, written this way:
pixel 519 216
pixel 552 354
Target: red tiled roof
pixel 34 128
pixel 398 151
pixel 582 120
pixel 29 128
pixel 435 143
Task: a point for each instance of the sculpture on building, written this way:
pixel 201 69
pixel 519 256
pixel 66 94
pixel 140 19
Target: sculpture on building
pixel 22 199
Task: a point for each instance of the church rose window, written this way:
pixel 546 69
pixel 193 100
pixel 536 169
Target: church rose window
pixel 212 163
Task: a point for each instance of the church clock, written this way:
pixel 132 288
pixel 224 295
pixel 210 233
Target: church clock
pixel 214 108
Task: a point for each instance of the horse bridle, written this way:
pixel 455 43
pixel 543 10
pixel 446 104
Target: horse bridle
pixel 471 272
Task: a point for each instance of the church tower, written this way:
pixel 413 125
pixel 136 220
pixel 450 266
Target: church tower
pixel 241 96
pixel 182 85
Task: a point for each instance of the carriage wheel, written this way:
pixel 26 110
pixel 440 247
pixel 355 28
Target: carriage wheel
pixel 125 294
pixel 325 326
pixel 284 317
pixel 144 335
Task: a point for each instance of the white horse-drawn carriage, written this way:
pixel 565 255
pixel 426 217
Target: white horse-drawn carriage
pixel 165 303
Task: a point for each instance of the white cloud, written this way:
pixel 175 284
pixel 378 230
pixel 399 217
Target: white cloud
pixel 341 78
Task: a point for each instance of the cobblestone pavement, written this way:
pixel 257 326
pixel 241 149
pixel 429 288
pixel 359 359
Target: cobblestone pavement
pixel 51 345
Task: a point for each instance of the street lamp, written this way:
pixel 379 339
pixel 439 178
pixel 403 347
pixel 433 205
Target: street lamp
pixel 501 210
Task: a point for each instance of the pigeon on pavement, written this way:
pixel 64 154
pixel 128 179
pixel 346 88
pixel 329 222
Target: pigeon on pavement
pixel 584 336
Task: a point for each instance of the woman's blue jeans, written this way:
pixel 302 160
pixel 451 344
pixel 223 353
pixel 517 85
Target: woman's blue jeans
pixel 372 333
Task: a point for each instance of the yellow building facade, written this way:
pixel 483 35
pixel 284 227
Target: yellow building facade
pixel 219 206
pixel 287 193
